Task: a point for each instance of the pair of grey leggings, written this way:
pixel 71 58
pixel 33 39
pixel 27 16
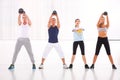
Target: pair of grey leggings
pixel 23 42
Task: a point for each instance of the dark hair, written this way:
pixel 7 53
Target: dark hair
pixel 76 19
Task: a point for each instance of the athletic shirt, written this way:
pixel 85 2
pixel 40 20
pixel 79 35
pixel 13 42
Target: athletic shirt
pixel 78 36
pixel 53 34
pixel 23 31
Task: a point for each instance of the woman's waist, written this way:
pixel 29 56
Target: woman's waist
pixel 102 34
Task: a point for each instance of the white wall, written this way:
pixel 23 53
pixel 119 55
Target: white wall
pixel 68 10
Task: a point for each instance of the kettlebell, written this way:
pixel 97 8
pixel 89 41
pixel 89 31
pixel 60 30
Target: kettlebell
pixel 20 11
pixel 54 12
pixel 105 13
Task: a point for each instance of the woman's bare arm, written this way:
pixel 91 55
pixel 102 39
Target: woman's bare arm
pixel 29 21
pixel 98 23
pixel 58 22
pixel 19 20
pixel 49 22
pixel 107 25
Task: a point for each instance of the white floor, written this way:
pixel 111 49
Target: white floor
pixel 53 66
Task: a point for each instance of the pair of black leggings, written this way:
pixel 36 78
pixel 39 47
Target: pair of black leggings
pixel 75 45
pixel 105 42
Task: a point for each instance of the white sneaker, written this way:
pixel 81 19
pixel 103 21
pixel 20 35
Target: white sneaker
pixel 41 66
pixel 65 66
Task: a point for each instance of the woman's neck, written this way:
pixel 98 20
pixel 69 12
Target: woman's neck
pixel 76 25
pixel 53 25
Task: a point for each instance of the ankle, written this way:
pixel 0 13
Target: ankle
pixel 113 64
pixel 12 64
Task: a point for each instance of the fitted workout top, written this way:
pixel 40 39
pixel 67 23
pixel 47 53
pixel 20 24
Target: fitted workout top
pixel 53 34
pixel 102 29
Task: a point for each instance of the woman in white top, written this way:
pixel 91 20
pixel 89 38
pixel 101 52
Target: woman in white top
pixel 103 39
pixel 78 40
pixel 23 39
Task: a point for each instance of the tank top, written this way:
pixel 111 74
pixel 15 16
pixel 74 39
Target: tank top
pixel 53 34
pixel 23 31
pixel 102 29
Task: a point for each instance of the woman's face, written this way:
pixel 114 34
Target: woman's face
pixel 77 22
pixel 53 21
pixel 102 20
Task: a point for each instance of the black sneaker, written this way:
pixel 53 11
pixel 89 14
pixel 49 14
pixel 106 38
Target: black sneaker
pixel 33 67
pixel 86 66
pixel 11 66
pixel 70 66
pixel 92 66
pixel 114 67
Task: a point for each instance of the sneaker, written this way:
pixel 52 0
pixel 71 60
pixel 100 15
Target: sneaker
pixel 114 67
pixel 65 66
pixel 70 66
pixel 11 66
pixel 92 66
pixel 33 67
pixel 86 66
pixel 41 66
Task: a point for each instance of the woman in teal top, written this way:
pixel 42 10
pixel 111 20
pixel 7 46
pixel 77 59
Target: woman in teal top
pixel 78 40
